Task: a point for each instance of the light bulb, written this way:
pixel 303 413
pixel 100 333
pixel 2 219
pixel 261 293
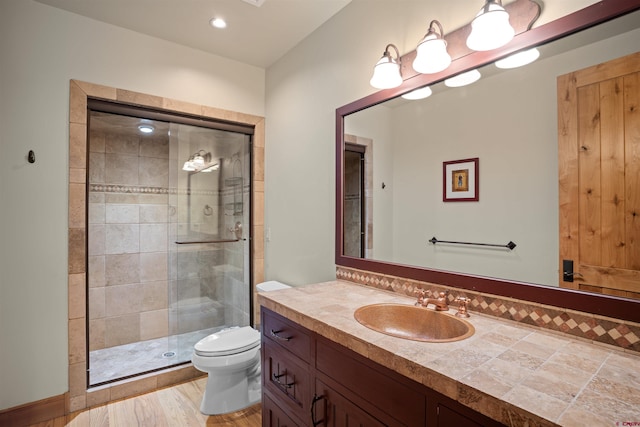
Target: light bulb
pixel 431 55
pixel 198 161
pixel 490 29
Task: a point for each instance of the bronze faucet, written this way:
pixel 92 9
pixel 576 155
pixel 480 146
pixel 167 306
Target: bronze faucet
pixel 425 298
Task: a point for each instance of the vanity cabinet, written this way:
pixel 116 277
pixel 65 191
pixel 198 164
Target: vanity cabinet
pixel 308 380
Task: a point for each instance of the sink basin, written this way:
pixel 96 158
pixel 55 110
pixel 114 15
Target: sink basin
pixel 413 323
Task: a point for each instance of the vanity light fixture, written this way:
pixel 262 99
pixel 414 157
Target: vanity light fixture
pixel 490 29
pixel 386 73
pixel 197 161
pixel 463 79
pixel 518 59
pixel 146 129
pixel 420 93
pixel 431 53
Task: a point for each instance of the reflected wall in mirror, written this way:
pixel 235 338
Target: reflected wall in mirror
pixel 509 120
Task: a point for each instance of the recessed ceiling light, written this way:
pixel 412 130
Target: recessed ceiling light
pixel 256 3
pixel 218 23
pixel 146 128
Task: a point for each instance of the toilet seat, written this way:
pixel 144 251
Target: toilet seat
pixel 227 342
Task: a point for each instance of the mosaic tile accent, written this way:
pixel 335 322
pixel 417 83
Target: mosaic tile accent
pixel 134 189
pixel 115 188
pixel 615 332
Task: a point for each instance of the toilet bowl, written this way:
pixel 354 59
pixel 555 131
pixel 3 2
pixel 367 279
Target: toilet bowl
pixel 231 359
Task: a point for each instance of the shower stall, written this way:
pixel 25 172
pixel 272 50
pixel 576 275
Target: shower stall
pixel 168 237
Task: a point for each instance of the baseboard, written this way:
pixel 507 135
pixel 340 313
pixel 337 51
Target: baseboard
pixel 34 412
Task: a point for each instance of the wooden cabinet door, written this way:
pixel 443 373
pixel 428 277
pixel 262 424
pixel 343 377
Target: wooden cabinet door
pixel 448 417
pixel 331 409
pixel 287 378
pixel 599 176
pixel 273 415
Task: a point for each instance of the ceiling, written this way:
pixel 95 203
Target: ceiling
pixel 255 35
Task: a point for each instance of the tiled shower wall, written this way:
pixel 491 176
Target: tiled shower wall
pixel 128 228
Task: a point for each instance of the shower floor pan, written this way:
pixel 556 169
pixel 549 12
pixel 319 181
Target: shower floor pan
pixel 122 361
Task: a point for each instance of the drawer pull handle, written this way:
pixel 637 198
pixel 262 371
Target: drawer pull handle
pixel 316 398
pixel 279 337
pixel 276 378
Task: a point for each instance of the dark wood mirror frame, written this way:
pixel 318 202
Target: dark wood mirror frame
pixel 610 306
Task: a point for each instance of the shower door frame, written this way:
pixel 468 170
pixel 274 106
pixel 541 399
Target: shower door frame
pixel 138 112
pixel 79 396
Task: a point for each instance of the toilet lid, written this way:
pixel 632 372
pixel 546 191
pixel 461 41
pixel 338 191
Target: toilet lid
pixel 228 341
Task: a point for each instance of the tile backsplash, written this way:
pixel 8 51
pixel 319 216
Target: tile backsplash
pixel 598 329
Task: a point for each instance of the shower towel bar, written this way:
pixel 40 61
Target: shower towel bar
pixel 193 242
pixel 509 245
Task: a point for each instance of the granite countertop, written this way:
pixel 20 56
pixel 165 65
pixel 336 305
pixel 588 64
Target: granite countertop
pixel 512 373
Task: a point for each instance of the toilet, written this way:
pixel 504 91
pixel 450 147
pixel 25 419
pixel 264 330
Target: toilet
pixel 231 358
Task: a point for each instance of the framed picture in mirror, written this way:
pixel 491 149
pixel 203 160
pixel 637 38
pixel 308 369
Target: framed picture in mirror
pixel 460 180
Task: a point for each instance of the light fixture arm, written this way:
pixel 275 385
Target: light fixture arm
pixel 488 3
pixel 439 34
pixel 388 54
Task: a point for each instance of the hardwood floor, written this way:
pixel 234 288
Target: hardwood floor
pixel 170 407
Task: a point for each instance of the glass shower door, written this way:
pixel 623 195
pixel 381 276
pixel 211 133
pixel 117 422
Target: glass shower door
pixel 209 261
pixel 168 202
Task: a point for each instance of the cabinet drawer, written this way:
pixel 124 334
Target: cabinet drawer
pixel 287 379
pixel 373 390
pixel 293 337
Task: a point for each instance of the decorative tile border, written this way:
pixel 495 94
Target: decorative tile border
pixel 606 330
pixel 133 189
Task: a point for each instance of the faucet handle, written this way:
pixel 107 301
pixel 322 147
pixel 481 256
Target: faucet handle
pixel 462 306
pixel 422 294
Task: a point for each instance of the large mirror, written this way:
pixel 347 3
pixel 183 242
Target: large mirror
pixel 395 158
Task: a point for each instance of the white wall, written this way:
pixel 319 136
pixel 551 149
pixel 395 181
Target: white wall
pixel 331 68
pixel 41 49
